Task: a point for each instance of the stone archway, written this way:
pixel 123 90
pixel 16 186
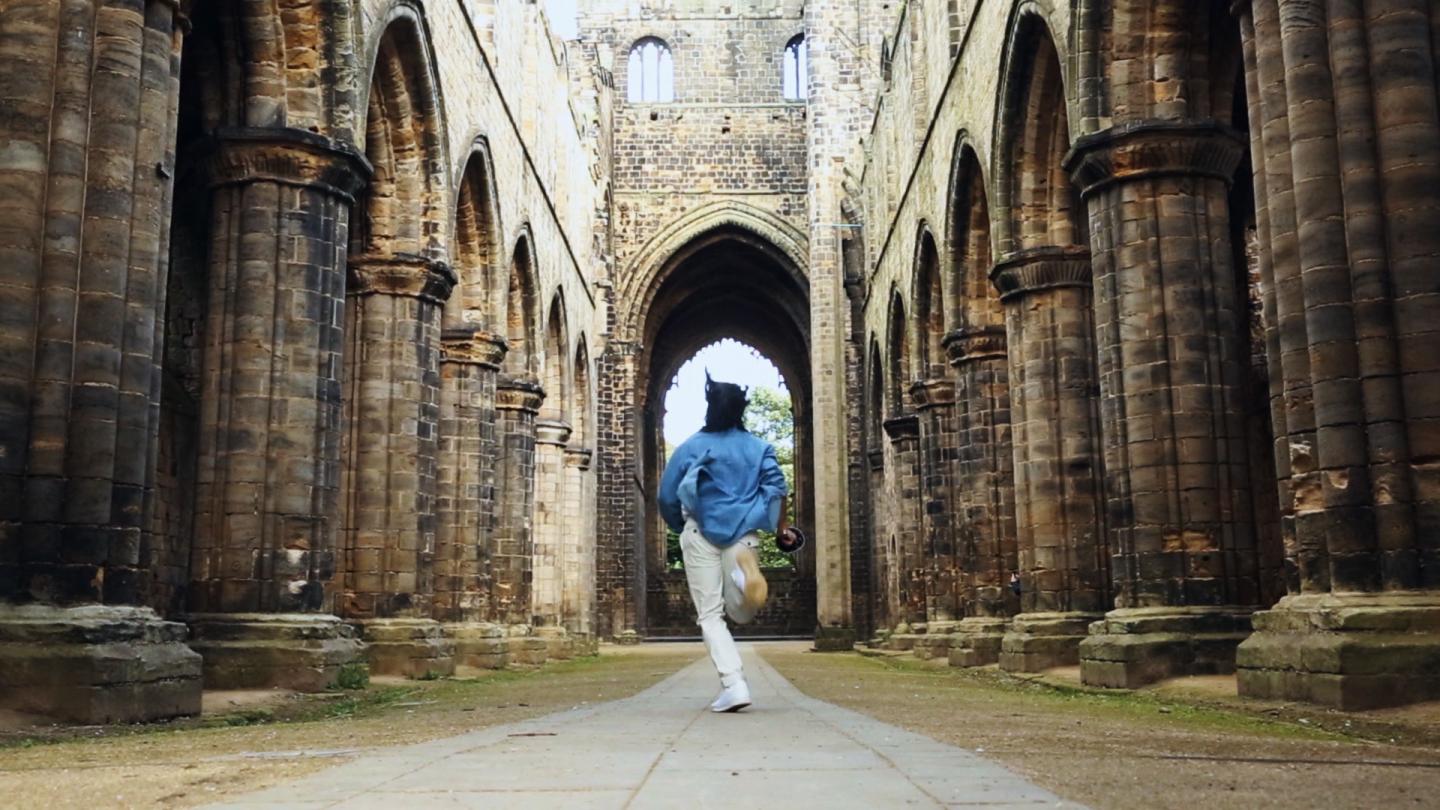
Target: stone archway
pixel 728 274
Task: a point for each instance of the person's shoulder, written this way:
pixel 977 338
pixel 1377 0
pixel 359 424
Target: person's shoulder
pixel 697 442
pixel 758 444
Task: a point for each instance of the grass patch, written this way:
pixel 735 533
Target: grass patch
pixel 352 697
pixel 1119 704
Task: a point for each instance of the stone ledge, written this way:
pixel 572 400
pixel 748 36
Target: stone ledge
pixel 96 664
pixel 300 651
pixel 834 639
pixel 1349 651
pixel 1040 641
pixel 976 641
pixel 478 646
pixel 413 648
pixel 526 649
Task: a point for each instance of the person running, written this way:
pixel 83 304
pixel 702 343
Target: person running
pixel 721 487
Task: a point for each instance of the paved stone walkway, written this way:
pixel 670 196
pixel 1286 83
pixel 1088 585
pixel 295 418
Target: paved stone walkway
pixel 661 749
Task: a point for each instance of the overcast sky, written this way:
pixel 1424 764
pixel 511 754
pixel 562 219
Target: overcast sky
pixel 728 361
pixel 562 17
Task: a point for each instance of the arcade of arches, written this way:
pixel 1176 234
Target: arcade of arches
pixel 335 333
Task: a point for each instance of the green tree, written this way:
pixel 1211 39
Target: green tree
pixel 771 416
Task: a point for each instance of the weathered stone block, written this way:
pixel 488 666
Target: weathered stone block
pixel 976 642
pixel 1040 641
pixel 96 664
pixel 1130 648
pixel 300 651
pixel 834 639
pixel 413 648
pixel 1350 651
pixel 478 646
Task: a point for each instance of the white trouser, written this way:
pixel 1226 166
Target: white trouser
pixel 708 571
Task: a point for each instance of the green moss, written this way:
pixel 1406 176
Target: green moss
pixel 353 676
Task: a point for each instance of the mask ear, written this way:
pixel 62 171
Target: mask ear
pixel 709 383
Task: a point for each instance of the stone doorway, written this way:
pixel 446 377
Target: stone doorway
pixel 725 281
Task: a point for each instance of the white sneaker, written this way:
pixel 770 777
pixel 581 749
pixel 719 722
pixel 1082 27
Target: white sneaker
pixel 732 698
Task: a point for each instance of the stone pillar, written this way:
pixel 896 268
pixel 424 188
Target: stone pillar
pixel 547 564
pixel 267 488
pixel 1059 517
pixel 834 119
pixel 389 482
pixel 984 494
pixel 883 592
pixel 908 560
pixel 1171 338
pixel 469 448
pixel 938 452
pixel 1345 125
pixel 620 500
pixel 84 218
pixel 577 581
pixel 517 403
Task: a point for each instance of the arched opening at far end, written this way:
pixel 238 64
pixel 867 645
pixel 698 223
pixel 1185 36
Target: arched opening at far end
pixel 770 416
pixel 727 290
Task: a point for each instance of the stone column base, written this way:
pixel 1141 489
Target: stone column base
pixel 527 649
pixel 935 642
pixel 478 646
pixel 408 647
pixel 1349 651
pixel 1039 641
pixel 1132 647
pixel 628 638
pixel 96 664
pixel 559 644
pixel 834 639
pixel 976 641
pixel 300 651
pixel 585 644
pixel 902 638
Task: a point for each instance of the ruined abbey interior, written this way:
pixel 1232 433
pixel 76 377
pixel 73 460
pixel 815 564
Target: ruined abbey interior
pixel 335 333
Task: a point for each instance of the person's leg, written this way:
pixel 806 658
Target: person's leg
pixel 730 560
pixel 704 573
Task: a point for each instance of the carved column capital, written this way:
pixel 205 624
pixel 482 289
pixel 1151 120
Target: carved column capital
pixel 877 459
pixel 1044 268
pixel 552 433
pixel 1144 149
pixel 293 157
pixel 579 457
pixel 519 394
pixel 401 275
pixel 903 427
pixel 973 344
pixel 472 346
pixel 930 394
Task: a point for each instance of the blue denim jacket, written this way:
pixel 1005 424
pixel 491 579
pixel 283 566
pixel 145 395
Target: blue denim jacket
pixel 729 481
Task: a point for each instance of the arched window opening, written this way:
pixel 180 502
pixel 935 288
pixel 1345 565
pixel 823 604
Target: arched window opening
pixel 651 73
pixel 796 78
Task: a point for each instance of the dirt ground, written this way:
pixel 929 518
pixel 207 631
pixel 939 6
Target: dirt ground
pixel 254 740
pixel 1154 749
